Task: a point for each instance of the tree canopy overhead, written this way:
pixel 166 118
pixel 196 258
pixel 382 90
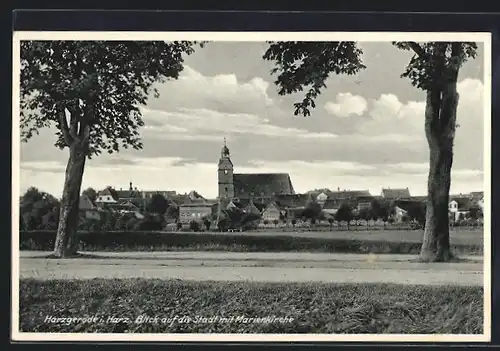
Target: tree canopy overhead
pixel 307 65
pixel 92 90
pixel 434 68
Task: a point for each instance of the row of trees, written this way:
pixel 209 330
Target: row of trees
pixel 40 210
pixel 100 86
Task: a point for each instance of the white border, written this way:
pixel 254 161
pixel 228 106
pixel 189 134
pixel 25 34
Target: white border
pixel 485 38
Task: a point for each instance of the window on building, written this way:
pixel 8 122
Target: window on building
pixel 225 171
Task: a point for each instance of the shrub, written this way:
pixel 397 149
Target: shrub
pixel 194 226
pixel 122 241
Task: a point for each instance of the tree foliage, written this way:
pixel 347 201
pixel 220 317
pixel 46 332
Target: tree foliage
pixel 307 65
pixel 38 210
pixel 99 84
pixel 379 210
pixel 157 204
pixel 312 211
pixel 435 63
pixel 91 194
pixel 344 213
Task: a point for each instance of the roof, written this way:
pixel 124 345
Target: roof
pixel 332 204
pixel 477 194
pixel 463 202
pixel 406 204
pixel 262 184
pixel 165 193
pixel 194 195
pixel 180 199
pixel 275 204
pixel 349 194
pixel 292 200
pixel 198 204
pixel 128 194
pixel 104 192
pixel 85 203
pixel 419 198
pixel 396 193
pixel 252 208
pixel 127 204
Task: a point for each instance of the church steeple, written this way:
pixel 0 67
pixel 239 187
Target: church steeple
pixel 225 174
pixel 224 151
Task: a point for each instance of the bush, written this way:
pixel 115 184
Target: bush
pixel 194 226
pixel 122 241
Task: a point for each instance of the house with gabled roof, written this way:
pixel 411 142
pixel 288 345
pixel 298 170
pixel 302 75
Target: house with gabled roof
pixel 477 195
pixel 87 209
pixel 197 211
pixel 460 206
pixel 273 212
pixel 105 197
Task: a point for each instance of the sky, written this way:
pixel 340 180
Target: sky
pixel 367 131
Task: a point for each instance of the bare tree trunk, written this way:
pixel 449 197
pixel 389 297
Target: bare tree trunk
pixel 66 244
pixel 440 125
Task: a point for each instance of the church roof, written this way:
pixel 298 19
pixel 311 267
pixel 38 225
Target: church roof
pixel 262 184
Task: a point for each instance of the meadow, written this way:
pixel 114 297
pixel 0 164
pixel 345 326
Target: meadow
pixel 170 306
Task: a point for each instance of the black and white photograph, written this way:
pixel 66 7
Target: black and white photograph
pixel 251 186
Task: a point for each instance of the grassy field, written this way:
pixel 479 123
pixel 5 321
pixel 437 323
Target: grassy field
pixel 457 236
pixel 186 307
pixel 466 242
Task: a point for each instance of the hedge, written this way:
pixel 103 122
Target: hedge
pixel 172 241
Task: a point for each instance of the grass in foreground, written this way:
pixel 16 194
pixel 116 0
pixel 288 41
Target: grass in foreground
pixel 116 306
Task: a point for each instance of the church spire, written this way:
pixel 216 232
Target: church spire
pixel 225 151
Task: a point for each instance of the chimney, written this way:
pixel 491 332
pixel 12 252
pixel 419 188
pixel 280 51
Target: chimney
pixel 130 188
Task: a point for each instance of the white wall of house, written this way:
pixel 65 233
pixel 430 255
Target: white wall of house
pixel 480 203
pixel 331 211
pixel 321 198
pixel 455 211
pixel 399 213
pixel 453 206
pixel 271 213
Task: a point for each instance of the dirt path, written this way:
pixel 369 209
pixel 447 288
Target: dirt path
pixel 278 267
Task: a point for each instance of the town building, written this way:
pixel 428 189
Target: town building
pixel 396 194
pixel 197 212
pixel 257 186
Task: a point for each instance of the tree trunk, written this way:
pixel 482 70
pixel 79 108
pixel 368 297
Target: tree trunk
pixel 66 244
pixel 440 116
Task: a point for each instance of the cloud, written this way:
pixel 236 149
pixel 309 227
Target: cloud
pixel 347 104
pixel 43 166
pixel 222 92
pixel 367 136
pixel 205 124
pixel 184 175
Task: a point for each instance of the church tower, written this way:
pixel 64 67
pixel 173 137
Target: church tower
pixel 225 174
